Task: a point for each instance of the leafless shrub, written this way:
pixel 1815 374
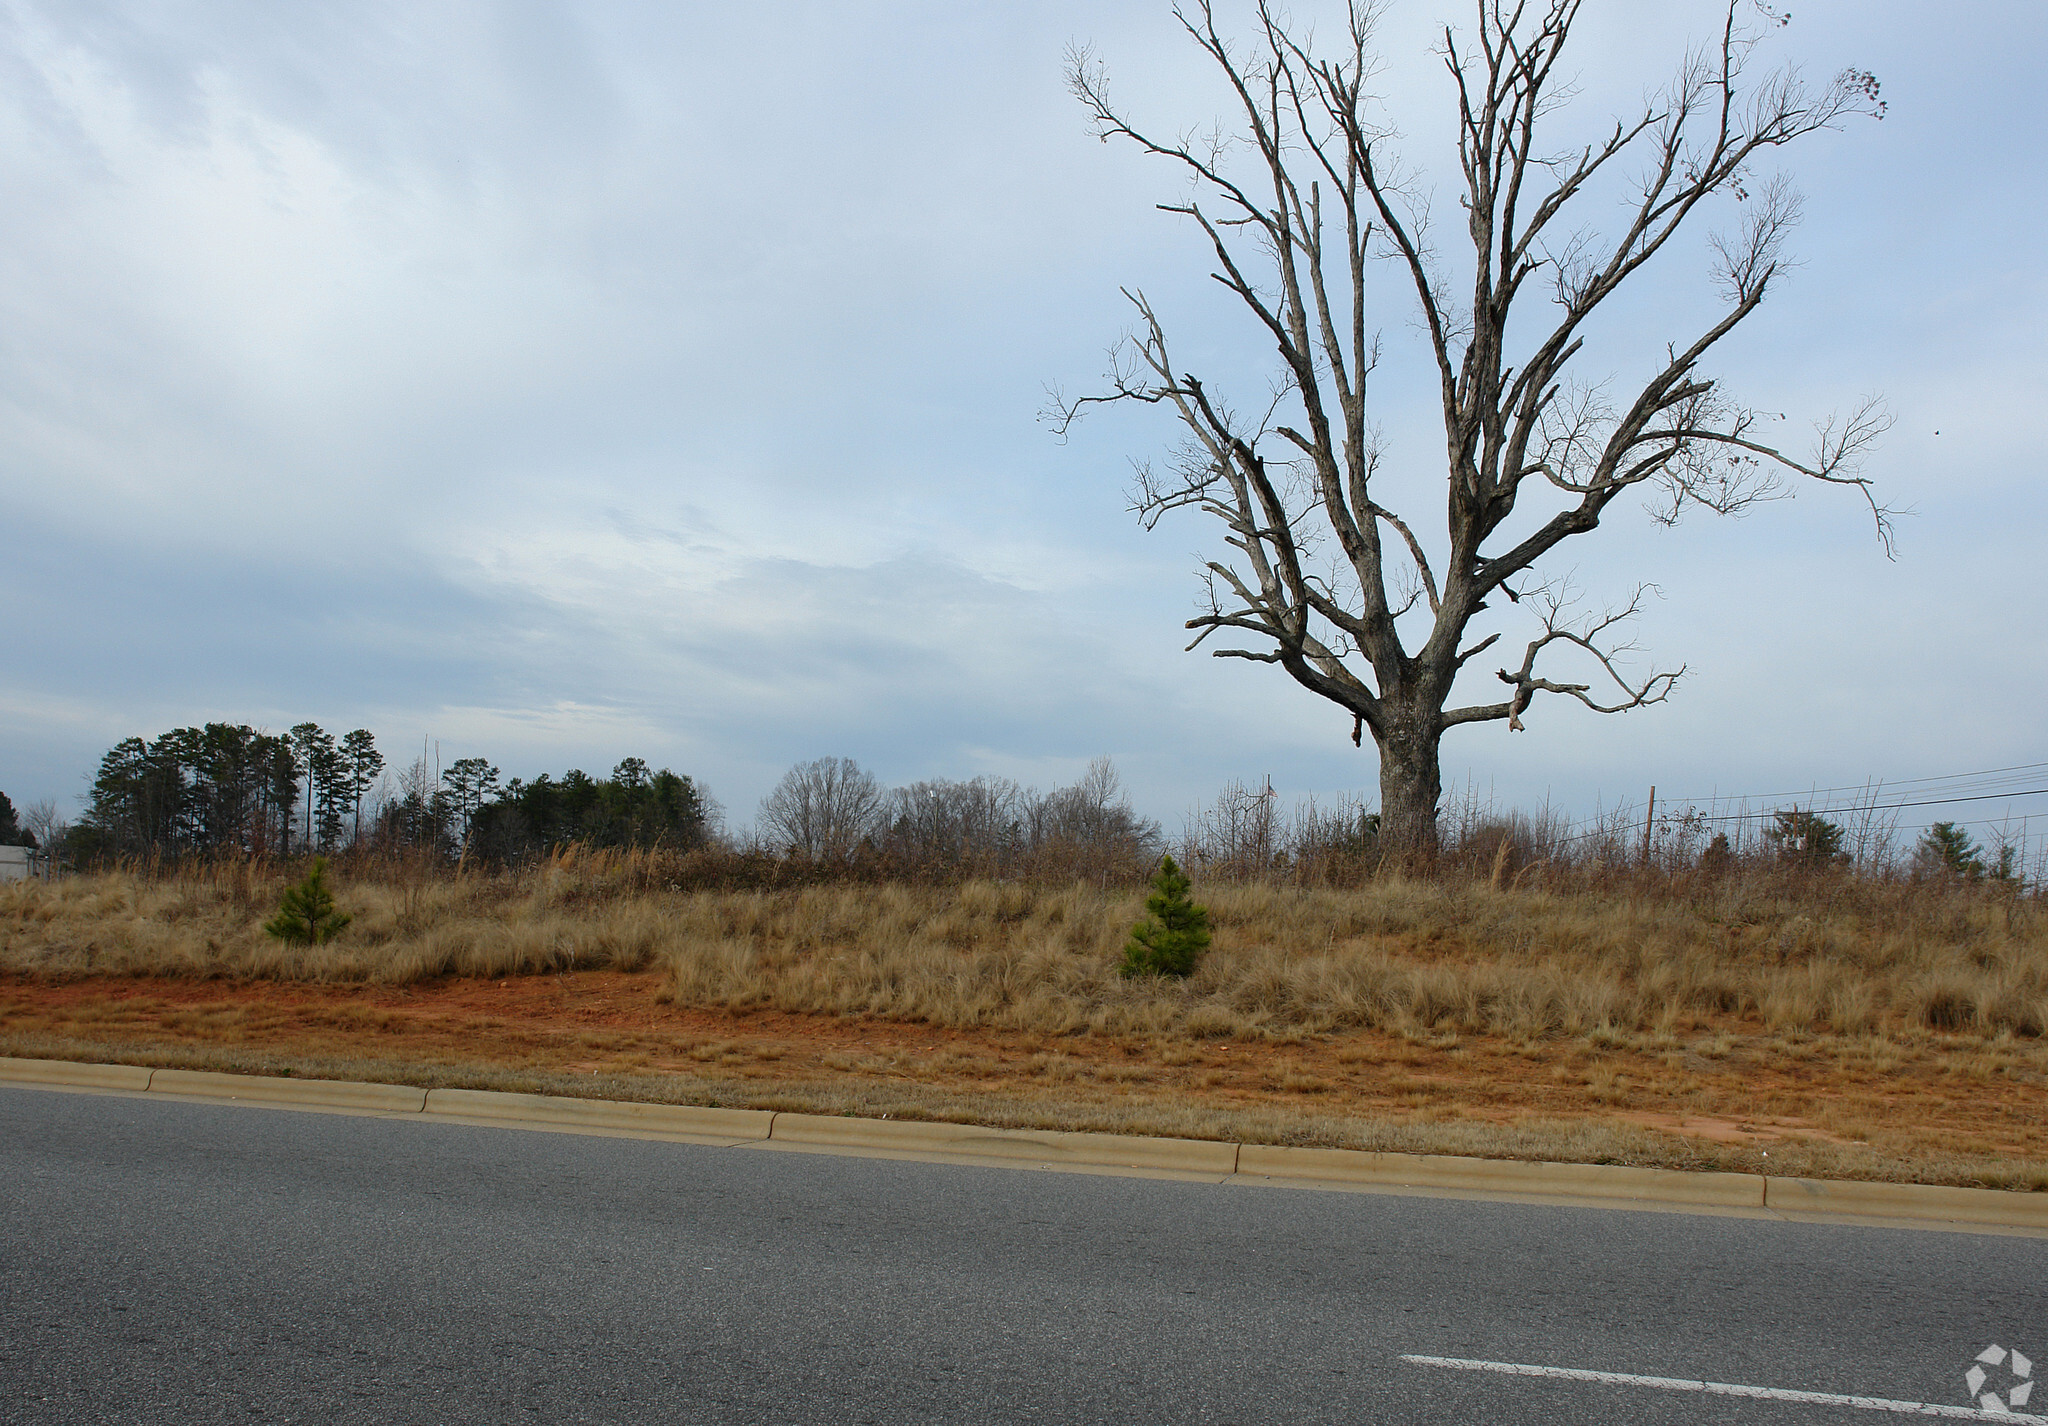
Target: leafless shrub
pixel 944 830
pixel 1089 829
pixel 1237 835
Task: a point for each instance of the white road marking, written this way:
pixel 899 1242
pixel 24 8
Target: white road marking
pixel 1722 1388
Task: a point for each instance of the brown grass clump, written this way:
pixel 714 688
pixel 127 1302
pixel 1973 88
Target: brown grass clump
pixel 1621 957
pixel 408 926
pixel 1396 954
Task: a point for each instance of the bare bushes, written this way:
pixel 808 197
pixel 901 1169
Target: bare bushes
pixel 833 819
pixel 1853 852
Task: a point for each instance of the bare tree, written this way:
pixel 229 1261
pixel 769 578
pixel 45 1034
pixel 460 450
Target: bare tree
pixel 46 824
pixel 956 821
pixel 1093 812
pixel 822 809
pixel 1301 200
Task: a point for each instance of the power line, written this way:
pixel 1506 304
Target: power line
pixel 1963 777
pixel 1876 806
pixel 1738 817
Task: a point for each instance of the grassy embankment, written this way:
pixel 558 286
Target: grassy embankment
pixel 1843 1026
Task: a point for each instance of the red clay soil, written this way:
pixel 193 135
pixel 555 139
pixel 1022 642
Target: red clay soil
pixel 1723 1090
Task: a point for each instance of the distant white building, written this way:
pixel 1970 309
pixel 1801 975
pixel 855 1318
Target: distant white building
pixel 21 863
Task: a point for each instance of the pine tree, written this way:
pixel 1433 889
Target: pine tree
pixel 2004 869
pixel 1806 836
pixel 1948 850
pixel 307 914
pixel 313 748
pixel 331 796
pixel 364 762
pixel 1174 932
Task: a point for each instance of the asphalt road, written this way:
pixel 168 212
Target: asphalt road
pixel 172 1262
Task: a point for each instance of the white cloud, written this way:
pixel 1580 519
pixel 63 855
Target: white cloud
pixel 579 383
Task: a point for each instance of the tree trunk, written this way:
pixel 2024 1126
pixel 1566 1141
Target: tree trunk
pixel 1411 785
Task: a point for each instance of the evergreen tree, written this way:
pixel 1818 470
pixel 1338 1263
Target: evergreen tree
pixel 10 827
pixel 307 914
pixel 635 808
pixel 220 788
pixel 363 763
pixel 331 794
pixel 313 747
pixel 281 789
pixel 1947 850
pixel 2005 866
pixel 225 764
pixel 675 812
pixel 469 783
pixel 1808 837
pixel 1175 930
pixel 141 799
pixel 575 807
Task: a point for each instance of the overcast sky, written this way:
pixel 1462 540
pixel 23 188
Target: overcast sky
pixel 563 382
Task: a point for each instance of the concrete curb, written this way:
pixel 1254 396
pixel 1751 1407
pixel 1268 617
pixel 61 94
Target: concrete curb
pixel 133 1078
pixel 916 1136
pixel 268 1089
pixel 1544 1180
pixel 1899 1204
pixel 609 1115
pixel 1923 1201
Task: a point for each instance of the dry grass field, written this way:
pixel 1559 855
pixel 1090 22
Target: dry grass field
pixel 1819 1023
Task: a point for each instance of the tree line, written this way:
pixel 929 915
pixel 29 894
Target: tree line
pixel 471 816
pixel 227 787
pixel 230 789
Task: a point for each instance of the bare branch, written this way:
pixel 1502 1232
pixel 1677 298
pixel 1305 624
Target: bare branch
pixel 1414 551
pixel 1714 463
pixel 1560 627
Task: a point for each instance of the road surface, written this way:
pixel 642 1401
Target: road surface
pixel 173 1261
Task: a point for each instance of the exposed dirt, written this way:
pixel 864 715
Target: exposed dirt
pixel 1723 1093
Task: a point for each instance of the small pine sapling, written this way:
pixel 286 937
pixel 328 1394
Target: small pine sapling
pixel 1174 932
pixel 2005 866
pixel 307 914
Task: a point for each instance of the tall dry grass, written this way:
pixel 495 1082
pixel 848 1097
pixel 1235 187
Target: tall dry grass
pixel 1499 951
